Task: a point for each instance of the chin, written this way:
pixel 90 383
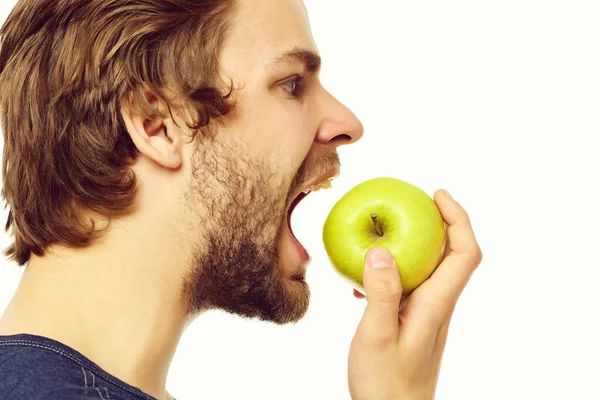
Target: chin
pixel 296 300
pixel 299 294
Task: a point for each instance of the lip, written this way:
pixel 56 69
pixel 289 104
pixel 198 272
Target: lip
pixel 330 173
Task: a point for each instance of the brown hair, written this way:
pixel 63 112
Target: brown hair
pixel 66 67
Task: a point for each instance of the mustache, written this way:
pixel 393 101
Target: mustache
pixel 323 162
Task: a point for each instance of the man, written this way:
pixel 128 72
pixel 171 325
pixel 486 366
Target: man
pixel 153 150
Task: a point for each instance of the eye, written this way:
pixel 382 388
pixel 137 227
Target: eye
pixel 292 85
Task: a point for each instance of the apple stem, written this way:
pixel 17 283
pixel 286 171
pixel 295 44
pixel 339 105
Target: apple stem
pixel 376 223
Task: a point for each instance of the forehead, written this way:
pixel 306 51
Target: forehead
pixel 263 29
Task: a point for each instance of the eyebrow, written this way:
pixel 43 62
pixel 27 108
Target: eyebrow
pixel 310 59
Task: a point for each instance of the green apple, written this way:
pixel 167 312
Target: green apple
pixel 391 213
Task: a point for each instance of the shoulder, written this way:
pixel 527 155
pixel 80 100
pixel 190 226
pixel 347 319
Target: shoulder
pixel 33 372
pixel 38 370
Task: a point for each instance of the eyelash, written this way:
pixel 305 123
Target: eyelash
pixel 295 80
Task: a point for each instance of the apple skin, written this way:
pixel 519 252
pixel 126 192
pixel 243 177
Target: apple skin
pixel 412 226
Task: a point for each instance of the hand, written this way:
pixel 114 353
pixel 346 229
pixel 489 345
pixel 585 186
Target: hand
pixel 397 349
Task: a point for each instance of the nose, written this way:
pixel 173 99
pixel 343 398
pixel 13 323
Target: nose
pixel 339 125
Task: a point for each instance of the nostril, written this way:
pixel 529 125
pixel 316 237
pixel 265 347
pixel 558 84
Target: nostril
pixel 344 138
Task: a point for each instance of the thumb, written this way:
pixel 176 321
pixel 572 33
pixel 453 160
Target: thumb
pixel 381 281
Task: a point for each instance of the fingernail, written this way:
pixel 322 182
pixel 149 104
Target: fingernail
pixel 448 195
pixel 379 257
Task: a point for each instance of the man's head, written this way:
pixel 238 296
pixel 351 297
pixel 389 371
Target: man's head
pixel 202 119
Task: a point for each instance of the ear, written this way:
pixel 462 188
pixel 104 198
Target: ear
pixel 150 134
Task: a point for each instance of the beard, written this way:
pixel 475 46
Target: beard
pixel 237 267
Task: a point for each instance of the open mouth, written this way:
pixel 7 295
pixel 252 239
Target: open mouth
pixel 295 202
pixel 324 184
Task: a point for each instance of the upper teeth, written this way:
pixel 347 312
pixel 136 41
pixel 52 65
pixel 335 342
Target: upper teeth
pixel 326 184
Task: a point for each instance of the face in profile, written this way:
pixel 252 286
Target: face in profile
pixel 279 140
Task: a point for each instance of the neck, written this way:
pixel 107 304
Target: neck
pixel 124 313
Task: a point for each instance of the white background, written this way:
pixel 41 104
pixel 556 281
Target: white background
pixel 497 101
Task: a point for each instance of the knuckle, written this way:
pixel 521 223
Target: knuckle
pixel 462 210
pixel 381 340
pixel 369 336
pixel 467 221
pixel 386 293
pixel 476 255
pixel 465 218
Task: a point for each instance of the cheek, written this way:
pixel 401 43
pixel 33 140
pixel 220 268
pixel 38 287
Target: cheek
pixel 293 142
pixel 275 128
pixel 285 132
pixel 297 129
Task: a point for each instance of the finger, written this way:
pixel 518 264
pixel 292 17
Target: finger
pixel 358 294
pixel 461 238
pixel 463 254
pixel 381 281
